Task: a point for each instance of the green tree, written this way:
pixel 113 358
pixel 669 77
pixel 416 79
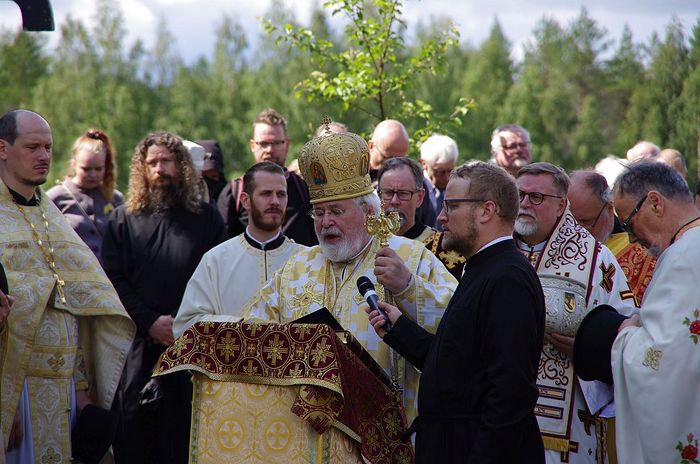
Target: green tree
pixel 648 115
pixel 94 83
pixel 22 64
pixel 371 72
pixel 625 72
pixel 488 78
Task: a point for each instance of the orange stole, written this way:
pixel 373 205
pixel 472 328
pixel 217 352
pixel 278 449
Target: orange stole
pixel 636 263
pixel 336 387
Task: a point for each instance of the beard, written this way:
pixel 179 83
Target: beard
pixel 345 249
pixel 463 242
pixel 165 196
pixel 257 217
pixel 526 229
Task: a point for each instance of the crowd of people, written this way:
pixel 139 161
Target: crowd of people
pixel 491 269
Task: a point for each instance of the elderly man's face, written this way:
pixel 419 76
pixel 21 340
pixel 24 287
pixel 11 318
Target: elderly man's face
pixel 439 173
pixel 514 152
pixel 340 228
pixel 535 222
pixel 393 145
pixel 635 218
pixel 598 218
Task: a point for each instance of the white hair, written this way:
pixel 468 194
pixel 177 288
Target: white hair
pixel 439 149
pixel 369 203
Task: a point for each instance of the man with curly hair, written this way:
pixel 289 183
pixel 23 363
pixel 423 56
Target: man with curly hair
pixel 152 246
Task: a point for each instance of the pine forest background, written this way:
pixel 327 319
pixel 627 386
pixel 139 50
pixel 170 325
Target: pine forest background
pixel 581 93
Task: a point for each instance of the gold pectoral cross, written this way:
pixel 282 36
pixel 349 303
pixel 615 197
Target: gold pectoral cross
pixel 59 288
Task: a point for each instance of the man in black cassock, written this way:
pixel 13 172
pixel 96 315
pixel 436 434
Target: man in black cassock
pixel 152 246
pixel 477 389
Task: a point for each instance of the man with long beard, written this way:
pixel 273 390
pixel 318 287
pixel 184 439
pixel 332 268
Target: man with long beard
pixel 577 273
pixel 400 185
pixel 218 288
pixel 335 167
pixel 153 244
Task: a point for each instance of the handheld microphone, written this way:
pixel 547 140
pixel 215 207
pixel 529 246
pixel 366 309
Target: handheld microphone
pixel 366 289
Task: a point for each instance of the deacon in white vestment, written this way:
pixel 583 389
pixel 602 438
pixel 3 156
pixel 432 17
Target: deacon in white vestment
pixel 656 356
pixel 577 273
pixel 232 273
pixel 335 168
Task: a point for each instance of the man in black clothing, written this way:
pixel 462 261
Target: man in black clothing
pixel 477 390
pixel 152 246
pixel 270 143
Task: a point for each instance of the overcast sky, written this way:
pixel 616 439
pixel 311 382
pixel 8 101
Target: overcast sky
pixel 193 21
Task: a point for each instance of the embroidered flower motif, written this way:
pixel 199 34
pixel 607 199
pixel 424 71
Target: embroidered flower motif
pixel 689 451
pixel 693 326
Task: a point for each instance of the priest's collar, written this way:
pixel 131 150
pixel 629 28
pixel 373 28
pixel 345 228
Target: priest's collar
pixel 271 244
pixel 525 247
pixel 414 231
pixel 20 200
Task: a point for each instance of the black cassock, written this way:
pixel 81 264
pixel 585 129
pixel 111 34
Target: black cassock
pixel 478 383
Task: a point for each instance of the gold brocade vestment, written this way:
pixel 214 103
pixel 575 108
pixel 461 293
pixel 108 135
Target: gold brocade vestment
pixel 309 281
pixel 54 347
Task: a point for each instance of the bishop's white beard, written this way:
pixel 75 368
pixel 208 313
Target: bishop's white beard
pixel 345 249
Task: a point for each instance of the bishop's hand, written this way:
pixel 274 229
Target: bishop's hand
pixel 391 271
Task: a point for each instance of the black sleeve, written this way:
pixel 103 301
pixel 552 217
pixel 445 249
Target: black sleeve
pixel 117 261
pixel 513 327
pixel 410 340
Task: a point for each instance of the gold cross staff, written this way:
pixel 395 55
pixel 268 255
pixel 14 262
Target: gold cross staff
pixel 382 225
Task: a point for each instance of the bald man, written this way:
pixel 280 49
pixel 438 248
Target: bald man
pixel 390 140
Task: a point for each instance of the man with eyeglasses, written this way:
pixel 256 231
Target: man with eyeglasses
pixel 400 187
pixel 510 148
pixel 655 357
pixel 577 273
pixel 478 384
pixel 326 275
pixel 591 204
pixel 270 142
pixel 438 155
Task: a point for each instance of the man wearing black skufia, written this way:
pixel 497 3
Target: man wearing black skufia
pixel 477 388
pixel 152 246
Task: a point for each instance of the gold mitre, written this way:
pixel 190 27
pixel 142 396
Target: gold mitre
pixel 335 166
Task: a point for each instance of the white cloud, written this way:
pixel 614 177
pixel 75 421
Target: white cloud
pixel 193 22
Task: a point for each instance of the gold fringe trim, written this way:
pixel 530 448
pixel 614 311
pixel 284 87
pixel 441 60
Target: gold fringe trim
pixel 556 444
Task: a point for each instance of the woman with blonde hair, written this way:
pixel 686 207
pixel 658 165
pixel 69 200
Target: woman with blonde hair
pixel 87 195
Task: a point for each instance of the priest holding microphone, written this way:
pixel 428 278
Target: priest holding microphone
pixel 477 389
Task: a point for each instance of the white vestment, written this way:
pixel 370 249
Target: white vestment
pixel 569 253
pixel 656 367
pixel 227 278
